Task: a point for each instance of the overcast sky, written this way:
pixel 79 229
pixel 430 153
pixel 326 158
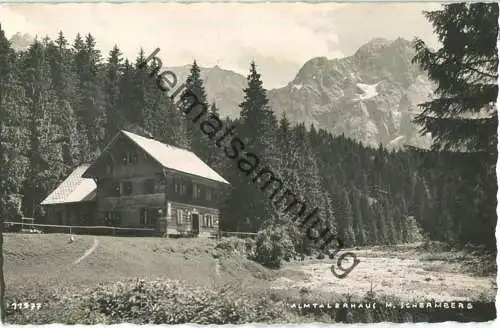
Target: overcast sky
pixel 279 37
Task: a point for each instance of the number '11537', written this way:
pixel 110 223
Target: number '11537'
pixel 26 306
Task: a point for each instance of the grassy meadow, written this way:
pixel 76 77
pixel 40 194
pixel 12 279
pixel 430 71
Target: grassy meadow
pixel 156 280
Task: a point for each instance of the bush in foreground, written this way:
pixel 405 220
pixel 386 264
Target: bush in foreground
pixel 235 246
pixel 156 302
pixel 273 245
pixel 172 302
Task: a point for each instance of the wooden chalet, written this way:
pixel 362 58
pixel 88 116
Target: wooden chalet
pixel 142 183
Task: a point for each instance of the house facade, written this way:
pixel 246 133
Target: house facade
pixel 143 183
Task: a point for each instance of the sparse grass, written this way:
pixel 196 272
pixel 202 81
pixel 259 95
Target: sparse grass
pixel 436 267
pixel 403 271
pixel 471 259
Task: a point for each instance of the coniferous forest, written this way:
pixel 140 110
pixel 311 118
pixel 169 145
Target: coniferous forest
pixel 62 100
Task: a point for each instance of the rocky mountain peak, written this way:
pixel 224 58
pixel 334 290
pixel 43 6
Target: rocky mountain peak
pixel 20 41
pixel 373 47
pixel 371 96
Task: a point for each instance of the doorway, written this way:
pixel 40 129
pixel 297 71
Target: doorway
pixel 195 219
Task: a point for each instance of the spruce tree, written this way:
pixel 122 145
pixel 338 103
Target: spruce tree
pixel 90 102
pixel 115 119
pixel 199 141
pixel 463 117
pixel 259 123
pixel 46 166
pixel 13 163
pixel 256 128
pixel 215 157
pixel 358 226
pixel 63 84
pixel 347 221
pixel 126 92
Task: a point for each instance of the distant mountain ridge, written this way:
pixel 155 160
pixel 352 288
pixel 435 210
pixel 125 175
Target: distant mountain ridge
pixel 20 41
pixel 224 87
pixel 371 96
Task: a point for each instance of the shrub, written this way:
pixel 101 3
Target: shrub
pixel 413 230
pixel 157 302
pixel 273 245
pixel 250 246
pixel 235 246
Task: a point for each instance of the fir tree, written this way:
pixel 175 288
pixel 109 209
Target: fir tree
pixel 115 119
pixel 13 163
pixel 63 84
pixel 46 165
pixel 465 70
pixel 199 141
pixel 463 118
pixel 256 128
pixel 90 106
pixel 214 156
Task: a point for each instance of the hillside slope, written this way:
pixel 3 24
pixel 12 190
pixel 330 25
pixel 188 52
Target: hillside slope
pixel 38 262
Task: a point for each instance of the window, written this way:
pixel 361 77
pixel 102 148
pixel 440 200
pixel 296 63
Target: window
pixel 84 219
pixel 149 216
pixel 132 157
pixel 180 216
pixel 209 220
pixel 114 189
pixel 126 188
pixel 124 158
pixel 128 158
pixel 208 194
pixel 180 188
pixel 109 164
pixel 59 217
pixel 109 168
pixel 143 218
pixel 183 189
pixel 149 186
pixel 196 191
pixel 112 219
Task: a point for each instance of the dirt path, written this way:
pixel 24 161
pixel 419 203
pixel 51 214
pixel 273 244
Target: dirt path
pixel 406 278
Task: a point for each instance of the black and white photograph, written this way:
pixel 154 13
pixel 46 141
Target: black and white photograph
pixel 236 163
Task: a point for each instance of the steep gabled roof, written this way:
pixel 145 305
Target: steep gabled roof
pixel 73 189
pixel 171 157
pixel 174 158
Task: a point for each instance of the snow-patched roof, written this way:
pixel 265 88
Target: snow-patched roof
pixel 174 158
pixel 73 189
